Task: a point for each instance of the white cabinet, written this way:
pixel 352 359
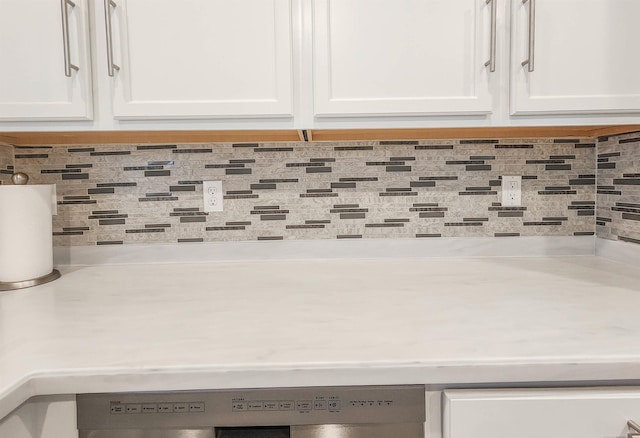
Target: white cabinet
pixel 544 413
pixel 381 57
pixel 584 56
pixel 46 67
pixel 201 58
pixel 42 417
pixel 314 64
pixel 190 60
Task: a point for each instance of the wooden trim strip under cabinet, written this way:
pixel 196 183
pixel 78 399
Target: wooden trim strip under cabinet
pixel 275 136
pixel 469 133
pixel 147 137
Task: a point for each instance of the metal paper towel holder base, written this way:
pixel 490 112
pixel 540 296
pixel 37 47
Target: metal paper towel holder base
pixel 12 285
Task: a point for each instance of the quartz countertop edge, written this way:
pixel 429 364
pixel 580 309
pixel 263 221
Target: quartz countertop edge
pixel 442 322
pixel 154 379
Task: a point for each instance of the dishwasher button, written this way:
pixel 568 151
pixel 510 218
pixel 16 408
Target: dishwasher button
pixel 238 406
pixel 286 405
pixel 270 405
pixel 304 405
pixel 134 408
pixel 255 406
pixel 118 409
pixel 180 407
pixel 320 405
pixel 196 407
pixel 149 408
pixel 334 405
pixel 165 408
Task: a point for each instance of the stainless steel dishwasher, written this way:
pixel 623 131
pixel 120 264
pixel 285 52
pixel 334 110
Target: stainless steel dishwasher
pixel 312 412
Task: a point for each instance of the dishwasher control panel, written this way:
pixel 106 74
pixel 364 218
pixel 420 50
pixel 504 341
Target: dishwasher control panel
pixel 153 408
pixel 248 407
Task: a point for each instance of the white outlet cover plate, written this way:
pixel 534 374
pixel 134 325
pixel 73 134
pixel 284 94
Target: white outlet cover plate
pixel 511 191
pixel 212 196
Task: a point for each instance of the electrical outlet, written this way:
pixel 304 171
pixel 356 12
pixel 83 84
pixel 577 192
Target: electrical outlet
pixel 212 195
pixel 511 191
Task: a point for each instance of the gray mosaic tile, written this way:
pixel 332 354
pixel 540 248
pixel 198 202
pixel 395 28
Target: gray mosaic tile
pixel 424 188
pixel 618 188
pixel 6 163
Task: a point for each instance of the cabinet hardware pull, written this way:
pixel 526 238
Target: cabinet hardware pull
pixel 111 66
pixel 68 66
pixel 532 35
pixel 635 428
pixel 491 63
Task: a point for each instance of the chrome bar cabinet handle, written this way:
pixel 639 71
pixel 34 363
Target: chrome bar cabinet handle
pixel 634 429
pixel 529 62
pixel 68 66
pixel 111 66
pixel 491 63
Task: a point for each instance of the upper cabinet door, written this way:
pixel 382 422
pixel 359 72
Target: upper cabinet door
pixel 201 58
pixel 44 52
pixel 395 57
pixel 583 56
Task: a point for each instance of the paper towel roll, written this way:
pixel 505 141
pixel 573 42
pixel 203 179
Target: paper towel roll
pixel 26 245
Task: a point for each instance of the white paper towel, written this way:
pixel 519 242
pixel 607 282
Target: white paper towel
pixel 26 248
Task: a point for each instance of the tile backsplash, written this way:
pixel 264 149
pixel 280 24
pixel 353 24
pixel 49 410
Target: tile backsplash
pixel 6 163
pixel 618 215
pixel 119 194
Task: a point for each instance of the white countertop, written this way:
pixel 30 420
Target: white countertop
pixel 299 323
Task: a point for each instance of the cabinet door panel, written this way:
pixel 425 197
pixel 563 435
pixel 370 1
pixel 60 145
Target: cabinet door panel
pixel 33 85
pixel 202 58
pixel 401 57
pixel 585 57
pixel 583 413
